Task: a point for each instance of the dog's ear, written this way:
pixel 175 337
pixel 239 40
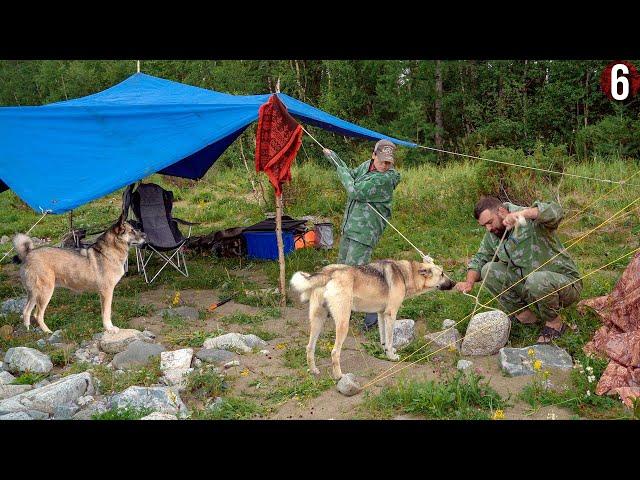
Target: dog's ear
pixel 426 272
pixel 119 227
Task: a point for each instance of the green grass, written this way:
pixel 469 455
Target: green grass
pixel 459 397
pixel 190 339
pixel 28 378
pixel 300 387
pixel 206 383
pixel 128 413
pixel 110 382
pixel 231 408
pixel 240 318
pixel 265 335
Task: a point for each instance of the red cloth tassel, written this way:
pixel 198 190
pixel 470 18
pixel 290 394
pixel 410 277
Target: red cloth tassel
pixel 278 140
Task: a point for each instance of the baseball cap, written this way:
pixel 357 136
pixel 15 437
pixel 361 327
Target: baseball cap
pixel 384 149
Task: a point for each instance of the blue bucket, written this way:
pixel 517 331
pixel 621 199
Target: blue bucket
pixel 265 246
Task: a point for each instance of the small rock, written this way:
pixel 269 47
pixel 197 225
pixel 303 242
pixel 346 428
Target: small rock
pixel 487 333
pixel 253 341
pixel 213 355
pixel 233 363
pixel 149 334
pixel 449 339
pixel 94 408
pixel 6 332
pixel 6 378
pixel 159 399
pixel 41 343
pixel 56 337
pixel 65 411
pixel 85 400
pixel 23 359
pixel 138 353
pixel 464 364
pixel 89 355
pixel 118 342
pixel 516 361
pixel 8 391
pixel 228 341
pixel 403 332
pixel 13 305
pixel 42 383
pixel 197 363
pixel 4 239
pixel 176 364
pixel 16 416
pixel 447 323
pixel 348 386
pixel 159 416
pixel 189 313
pixel 264 352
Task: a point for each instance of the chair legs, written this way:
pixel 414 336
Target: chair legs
pixel 142 260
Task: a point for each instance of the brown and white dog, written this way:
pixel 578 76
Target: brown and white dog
pixel 379 287
pixel 97 268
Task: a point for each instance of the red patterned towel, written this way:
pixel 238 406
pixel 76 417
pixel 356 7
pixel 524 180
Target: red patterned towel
pixel 277 142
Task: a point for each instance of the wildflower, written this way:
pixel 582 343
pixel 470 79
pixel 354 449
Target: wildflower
pixel 176 299
pixel 591 378
pixel 280 346
pixel 531 352
pixel 537 365
pixel 589 369
pixel 498 415
pixel 546 374
pixel 588 393
pixel 244 372
pixel 452 348
pixel 551 416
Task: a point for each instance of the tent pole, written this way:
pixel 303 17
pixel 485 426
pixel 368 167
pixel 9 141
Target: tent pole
pixel 283 295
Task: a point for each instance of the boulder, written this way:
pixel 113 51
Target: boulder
pixel 46 399
pixel 176 364
pixel 445 339
pixel 215 356
pixel 6 378
pixel 517 361
pixel 159 399
pixel 403 332
pixel 228 341
pixel 16 416
pixel 118 342
pixel 56 337
pixel 253 341
pixel 486 334
pixel 23 359
pixel 137 354
pixel 13 305
pixel 65 411
pixel 37 415
pixel 8 391
pixel 92 409
pixel 348 386
pixel 159 416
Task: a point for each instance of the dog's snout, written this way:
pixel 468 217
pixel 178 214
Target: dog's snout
pixel 447 285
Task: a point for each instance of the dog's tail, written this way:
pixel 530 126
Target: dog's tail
pixel 22 245
pixel 304 283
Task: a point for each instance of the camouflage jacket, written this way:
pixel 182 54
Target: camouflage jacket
pixel 529 246
pixel 360 223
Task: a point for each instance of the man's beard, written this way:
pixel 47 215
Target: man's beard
pixel 500 232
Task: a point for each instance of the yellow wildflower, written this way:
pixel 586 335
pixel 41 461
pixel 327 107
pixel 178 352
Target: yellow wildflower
pixel 531 352
pixel 244 372
pixel 176 299
pixel 280 346
pixel 537 365
pixel 498 415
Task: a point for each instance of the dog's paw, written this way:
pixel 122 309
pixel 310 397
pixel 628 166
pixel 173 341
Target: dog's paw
pixel 113 329
pixel 46 330
pixel 392 355
pixel 315 371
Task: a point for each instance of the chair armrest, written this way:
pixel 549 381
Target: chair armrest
pixel 184 222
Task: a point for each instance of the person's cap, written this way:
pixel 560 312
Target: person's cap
pixel 384 149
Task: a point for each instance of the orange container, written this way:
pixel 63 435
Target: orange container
pixel 306 240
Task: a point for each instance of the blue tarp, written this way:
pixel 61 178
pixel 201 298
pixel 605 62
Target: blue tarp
pixel 59 156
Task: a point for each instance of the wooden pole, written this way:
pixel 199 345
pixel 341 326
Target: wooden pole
pixel 283 292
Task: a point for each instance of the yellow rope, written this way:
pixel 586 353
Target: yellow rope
pixel 488 325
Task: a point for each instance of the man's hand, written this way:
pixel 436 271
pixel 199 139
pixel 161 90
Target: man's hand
pixel 513 219
pixel 464 287
pixel 327 152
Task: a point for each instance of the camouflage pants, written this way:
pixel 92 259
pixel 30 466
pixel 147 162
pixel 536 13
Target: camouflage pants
pixel 353 253
pixel 535 286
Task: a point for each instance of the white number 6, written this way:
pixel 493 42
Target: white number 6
pixel 615 80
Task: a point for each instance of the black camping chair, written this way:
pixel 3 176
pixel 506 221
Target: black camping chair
pixel 152 205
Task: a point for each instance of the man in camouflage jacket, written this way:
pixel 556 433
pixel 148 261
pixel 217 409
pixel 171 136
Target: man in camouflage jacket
pixel 529 242
pixel 371 184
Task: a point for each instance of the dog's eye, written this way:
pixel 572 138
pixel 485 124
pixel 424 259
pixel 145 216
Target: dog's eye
pixel 426 272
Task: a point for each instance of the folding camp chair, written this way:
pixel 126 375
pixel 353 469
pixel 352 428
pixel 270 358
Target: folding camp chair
pixel 152 205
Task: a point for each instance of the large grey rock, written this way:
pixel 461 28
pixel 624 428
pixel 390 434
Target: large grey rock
pixel 159 399
pixel 215 356
pixel 56 337
pixel 23 359
pixel 403 332
pixel 445 339
pixel 228 341
pixel 13 305
pixel 175 365
pixel 159 416
pixel 6 378
pixel 16 416
pixel 37 415
pixel 516 361
pixel 90 410
pixel 65 411
pixel 253 341
pixel 47 398
pixel 8 391
pixel 118 342
pixel 348 386
pixel 189 313
pixel 137 354
pixel 487 333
